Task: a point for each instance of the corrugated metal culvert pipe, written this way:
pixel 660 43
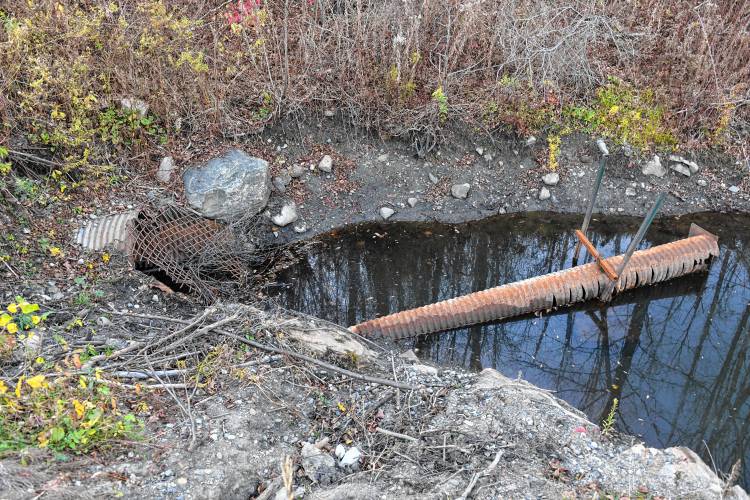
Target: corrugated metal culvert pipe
pixel 562 288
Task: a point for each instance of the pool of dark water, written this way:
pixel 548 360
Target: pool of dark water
pixel 675 355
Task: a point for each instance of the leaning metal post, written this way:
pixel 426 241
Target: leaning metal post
pixel 590 209
pixel 606 296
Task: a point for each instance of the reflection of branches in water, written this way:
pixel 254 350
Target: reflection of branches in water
pixel 677 353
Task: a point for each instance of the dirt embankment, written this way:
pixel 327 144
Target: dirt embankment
pixel 503 174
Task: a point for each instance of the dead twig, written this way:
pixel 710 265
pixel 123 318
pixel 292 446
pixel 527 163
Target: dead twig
pixel 322 364
pixel 478 475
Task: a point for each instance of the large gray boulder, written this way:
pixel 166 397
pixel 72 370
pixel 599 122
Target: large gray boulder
pixel 229 186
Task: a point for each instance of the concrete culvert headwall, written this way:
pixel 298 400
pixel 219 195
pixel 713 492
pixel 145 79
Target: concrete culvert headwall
pixel 540 293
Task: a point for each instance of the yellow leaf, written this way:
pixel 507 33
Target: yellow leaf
pixel 36 319
pixel 12 328
pixel 18 386
pixel 54 251
pixel 3 387
pixel 613 110
pixel 342 407
pixel 39 360
pixel 105 257
pixel 43 439
pixel 82 382
pixel 12 308
pixel 5 319
pixel 27 308
pixel 80 409
pixel 37 382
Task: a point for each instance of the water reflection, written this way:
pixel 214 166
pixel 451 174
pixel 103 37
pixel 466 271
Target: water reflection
pixel 675 355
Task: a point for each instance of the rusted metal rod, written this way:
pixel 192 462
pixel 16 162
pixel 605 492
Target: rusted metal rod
pixel 596 255
pixel 598 182
pixel 607 293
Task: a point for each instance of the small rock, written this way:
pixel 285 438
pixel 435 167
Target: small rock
pixel 488 158
pixel 409 356
pixel 702 182
pixel 412 202
pixel 300 228
pixel 134 105
pixel 326 164
pixel 168 473
pixel 551 179
pixel 424 369
pixel 386 212
pixel 328 113
pixel 181 481
pixel 734 189
pixel 317 464
pixel 383 158
pixel 287 216
pixel 296 171
pixel 460 191
pixel 102 321
pixel 680 169
pixel 480 150
pixel 688 163
pixel 531 141
pixel 340 451
pixel 279 184
pixel 433 178
pixel 629 191
pixel 654 167
pixel 166 169
pixel 351 457
pixel 544 194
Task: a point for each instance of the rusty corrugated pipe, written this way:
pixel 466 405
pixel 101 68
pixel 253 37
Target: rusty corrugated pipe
pixel 561 288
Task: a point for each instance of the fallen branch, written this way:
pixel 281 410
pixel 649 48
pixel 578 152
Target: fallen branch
pixel 396 435
pixel 478 475
pixel 322 364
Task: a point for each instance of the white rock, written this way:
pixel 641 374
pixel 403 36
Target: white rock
pixel 300 228
pixel 680 169
pixel 297 171
pixel 544 194
pixel 386 212
pixel 328 113
pixel 287 216
pixel 734 189
pixel 166 169
pixel 690 164
pixel 531 141
pixel 412 202
pixel 630 191
pixel 433 178
pixel 351 457
pixel 326 164
pixel 654 167
pixel 480 150
pixel 460 191
pixel 424 369
pixel 702 182
pixel 551 179
pixel 340 451
pixel 383 158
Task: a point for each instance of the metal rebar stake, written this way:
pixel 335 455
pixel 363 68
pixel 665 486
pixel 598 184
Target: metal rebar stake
pixel 598 182
pixel 606 296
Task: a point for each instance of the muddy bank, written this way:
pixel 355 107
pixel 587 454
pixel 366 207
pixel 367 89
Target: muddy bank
pixel 504 175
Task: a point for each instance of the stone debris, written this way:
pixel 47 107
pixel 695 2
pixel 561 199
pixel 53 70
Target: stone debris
pixel 229 186
pixel 680 169
pixel 531 141
pixel 326 164
pixel 383 158
pixel 654 167
pixel 630 191
pixel 734 189
pixel 386 212
pixel 433 178
pixel 297 171
pixel 167 167
pixel 702 182
pixel 319 466
pixel 551 179
pixel 300 228
pixel 460 191
pixel 351 457
pixel 287 216
pixel 480 150
pixel 412 202
pixel 544 194
pixel 691 165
